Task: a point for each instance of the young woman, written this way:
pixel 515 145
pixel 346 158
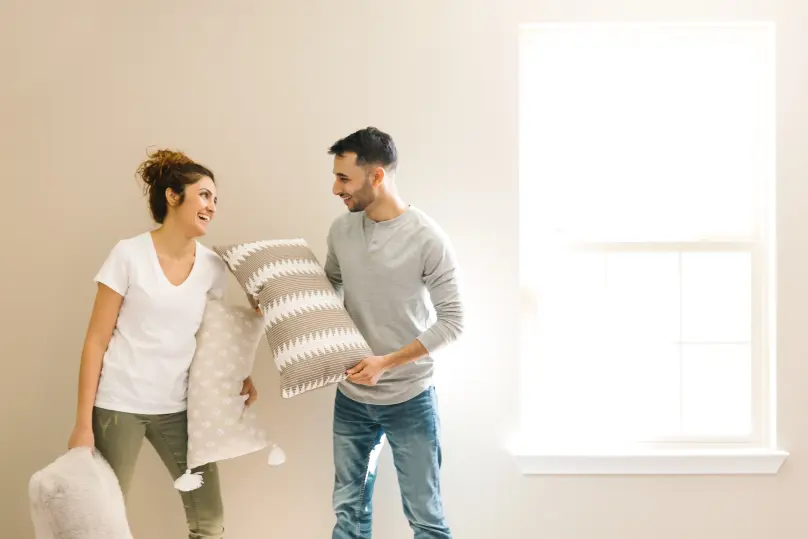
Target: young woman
pixel 152 291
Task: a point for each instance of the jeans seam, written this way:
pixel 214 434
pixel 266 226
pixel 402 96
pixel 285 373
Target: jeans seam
pixel 436 435
pixel 191 498
pixel 363 488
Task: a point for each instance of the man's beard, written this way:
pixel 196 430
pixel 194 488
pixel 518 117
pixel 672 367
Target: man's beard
pixel 363 198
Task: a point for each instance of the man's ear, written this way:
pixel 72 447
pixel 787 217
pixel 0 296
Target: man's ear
pixel 378 176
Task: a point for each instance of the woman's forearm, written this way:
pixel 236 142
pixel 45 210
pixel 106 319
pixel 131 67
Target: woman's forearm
pixel 99 333
pixel 92 357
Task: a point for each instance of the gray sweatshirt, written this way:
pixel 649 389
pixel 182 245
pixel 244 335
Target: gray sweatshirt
pixel 398 281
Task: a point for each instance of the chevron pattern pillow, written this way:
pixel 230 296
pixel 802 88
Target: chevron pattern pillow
pixel 312 337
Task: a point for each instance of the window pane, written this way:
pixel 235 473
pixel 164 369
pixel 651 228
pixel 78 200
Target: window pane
pixel 599 392
pixel 655 387
pixel 571 296
pixel 646 394
pixel 645 133
pixel 563 334
pixel 606 338
pixel 717 297
pixel 643 297
pixel 572 393
pixel 605 346
pixel 716 390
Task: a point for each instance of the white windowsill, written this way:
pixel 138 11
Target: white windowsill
pixel 652 462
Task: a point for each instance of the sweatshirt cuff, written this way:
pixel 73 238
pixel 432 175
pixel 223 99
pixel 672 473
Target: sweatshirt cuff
pixel 431 340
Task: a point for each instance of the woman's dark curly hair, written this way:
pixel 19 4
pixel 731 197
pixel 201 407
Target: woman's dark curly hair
pixel 168 169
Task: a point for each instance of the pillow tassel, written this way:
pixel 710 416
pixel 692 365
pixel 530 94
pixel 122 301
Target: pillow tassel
pixel 276 456
pixel 189 481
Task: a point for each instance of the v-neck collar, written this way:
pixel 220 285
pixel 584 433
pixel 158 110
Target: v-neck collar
pixel 156 261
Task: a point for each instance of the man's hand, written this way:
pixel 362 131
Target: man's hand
pixel 248 388
pixel 368 371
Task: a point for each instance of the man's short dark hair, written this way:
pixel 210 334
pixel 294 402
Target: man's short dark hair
pixel 371 146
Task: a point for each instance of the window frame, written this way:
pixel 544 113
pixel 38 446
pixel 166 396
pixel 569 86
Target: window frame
pixel 759 416
pixel 756 453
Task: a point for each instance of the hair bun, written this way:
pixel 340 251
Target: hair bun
pixel 153 169
pixel 170 157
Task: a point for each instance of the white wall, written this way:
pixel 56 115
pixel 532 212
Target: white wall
pixel 258 90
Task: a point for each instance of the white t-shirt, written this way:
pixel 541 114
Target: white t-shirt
pixel 145 369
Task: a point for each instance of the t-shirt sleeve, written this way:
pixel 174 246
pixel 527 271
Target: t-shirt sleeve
pixel 219 286
pixel 114 273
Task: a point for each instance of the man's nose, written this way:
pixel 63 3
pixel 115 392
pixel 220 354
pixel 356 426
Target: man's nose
pixel 336 189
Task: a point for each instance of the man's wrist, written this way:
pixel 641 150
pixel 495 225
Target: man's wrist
pixel 413 351
pixel 389 361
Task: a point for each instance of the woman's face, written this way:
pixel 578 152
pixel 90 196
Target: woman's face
pixel 197 210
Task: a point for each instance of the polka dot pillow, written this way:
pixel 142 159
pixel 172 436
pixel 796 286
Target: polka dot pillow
pixel 220 425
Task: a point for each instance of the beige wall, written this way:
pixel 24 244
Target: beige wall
pixel 257 90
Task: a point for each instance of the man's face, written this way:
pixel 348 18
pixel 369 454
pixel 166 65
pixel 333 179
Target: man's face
pixel 353 183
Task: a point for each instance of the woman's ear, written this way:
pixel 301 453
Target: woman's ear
pixel 171 197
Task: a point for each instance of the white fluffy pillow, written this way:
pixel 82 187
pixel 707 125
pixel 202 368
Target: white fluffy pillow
pixel 77 497
pixel 220 426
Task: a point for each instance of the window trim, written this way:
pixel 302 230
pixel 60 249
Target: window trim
pixel 726 461
pixel 756 455
pixel 708 455
pixel 759 417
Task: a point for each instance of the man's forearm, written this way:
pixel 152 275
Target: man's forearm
pixel 411 352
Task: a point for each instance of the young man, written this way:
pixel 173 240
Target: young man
pixel 397 274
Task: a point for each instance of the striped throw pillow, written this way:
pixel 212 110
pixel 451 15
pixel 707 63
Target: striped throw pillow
pixel 311 336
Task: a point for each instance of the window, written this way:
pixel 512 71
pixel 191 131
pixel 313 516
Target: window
pixel 646 235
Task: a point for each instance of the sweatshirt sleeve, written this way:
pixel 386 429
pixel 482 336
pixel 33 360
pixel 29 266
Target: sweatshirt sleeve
pixel 332 268
pixel 441 280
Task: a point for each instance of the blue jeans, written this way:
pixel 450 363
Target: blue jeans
pixel 412 428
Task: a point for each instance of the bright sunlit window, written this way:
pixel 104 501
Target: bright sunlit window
pixel 646 234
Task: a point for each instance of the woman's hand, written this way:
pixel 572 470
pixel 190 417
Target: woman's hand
pixel 248 388
pixel 82 436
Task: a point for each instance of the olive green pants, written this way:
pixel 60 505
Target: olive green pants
pixel 119 437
